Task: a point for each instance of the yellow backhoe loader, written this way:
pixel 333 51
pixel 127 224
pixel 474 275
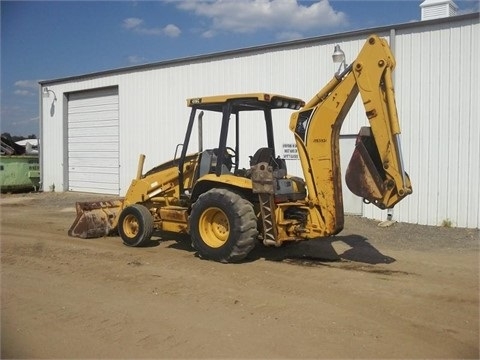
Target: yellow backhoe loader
pixel 226 210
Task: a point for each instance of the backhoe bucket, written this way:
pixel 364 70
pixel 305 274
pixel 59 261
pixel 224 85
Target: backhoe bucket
pixel 365 175
pixel 95 219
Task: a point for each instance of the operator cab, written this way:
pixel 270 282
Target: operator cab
pixel 226 155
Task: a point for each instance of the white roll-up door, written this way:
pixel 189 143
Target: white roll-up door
pixel 93 141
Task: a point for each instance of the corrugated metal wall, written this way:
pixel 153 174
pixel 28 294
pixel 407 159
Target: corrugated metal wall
pixel 437 98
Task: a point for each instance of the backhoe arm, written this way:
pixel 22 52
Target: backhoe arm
pixel 376 171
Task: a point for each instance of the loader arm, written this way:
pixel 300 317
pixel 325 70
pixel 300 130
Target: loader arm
pixel 376 171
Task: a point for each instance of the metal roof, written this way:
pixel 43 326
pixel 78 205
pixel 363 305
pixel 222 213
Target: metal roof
pixel 250 101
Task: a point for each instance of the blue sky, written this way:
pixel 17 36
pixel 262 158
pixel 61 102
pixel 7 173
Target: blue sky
pixel 43 40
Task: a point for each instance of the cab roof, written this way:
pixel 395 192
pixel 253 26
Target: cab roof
pixel 245 102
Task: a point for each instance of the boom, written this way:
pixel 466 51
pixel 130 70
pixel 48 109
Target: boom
pixel 376 170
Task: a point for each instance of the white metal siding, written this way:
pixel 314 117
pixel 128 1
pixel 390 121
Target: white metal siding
pixel 352 204
pixel 437 92
pixel 436 83
pixel 93 131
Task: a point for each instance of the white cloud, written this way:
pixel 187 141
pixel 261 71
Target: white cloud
pixel 289 35
pixel 209 34
pixel 248 16
pixel 131 23
pixel 171 30
pixel 25 87
pixel 22 92
pixel 33 120
pixel 136 25
pixel 135 59
pixel 27 84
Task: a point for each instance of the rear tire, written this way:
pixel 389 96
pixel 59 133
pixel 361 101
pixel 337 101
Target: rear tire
pixel 135 225
pixel 223 226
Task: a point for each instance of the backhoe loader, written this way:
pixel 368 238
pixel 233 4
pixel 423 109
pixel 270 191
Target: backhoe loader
pixel 226 210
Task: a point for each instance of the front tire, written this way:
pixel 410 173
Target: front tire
pixel 135 225
pixel 223 226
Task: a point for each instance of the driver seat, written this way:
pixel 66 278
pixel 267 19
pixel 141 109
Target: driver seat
pixel 266 155
pixel 208 163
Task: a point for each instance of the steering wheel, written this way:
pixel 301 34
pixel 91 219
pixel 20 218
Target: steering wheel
pixel 231 152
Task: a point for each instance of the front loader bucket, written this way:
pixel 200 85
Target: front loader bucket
pixel 95 219
pixel 365 175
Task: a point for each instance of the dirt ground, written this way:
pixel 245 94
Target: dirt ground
pixel 405 291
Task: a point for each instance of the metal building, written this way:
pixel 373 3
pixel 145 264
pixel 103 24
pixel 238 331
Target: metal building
pixel 93 127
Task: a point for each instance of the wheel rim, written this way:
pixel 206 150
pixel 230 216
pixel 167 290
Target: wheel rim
pixel 130 226
pixel 214 227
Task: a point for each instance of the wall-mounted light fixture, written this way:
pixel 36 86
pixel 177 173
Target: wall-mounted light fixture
pixel 338 56
pixel 46 93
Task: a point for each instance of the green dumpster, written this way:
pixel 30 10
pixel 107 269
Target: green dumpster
pixel 19 172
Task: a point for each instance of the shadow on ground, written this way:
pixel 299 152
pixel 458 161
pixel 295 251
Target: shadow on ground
pixel 338 248
pixel 351 248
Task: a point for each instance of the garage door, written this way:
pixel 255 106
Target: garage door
pixel 93 145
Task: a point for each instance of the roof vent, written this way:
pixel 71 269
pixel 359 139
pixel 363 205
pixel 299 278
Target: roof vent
pixel 435 9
